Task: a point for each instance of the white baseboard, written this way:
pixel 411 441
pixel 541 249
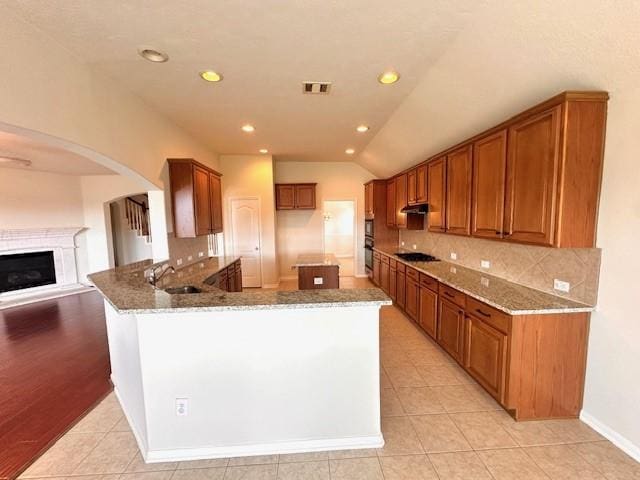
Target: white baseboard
pixel 289 277
pixel 301 446
pixel 271 285
pixel 614 437
pixel 361 275
pixel 140 440
pixel 58 292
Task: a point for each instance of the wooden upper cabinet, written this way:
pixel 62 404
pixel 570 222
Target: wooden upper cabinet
pixel 533 156
pixel 215 202
pixel 306 196
pixel 421 184
pixel 458 205
pixel 196 198
pixel 411 187
pixel 401 200
pixel 391 203
pixel 436 193
pixel 299 196
pixel 487 203
pixel 368 200
pixel 285 197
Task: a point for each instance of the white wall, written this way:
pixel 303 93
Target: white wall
pixel 252 176
pixel 128 245
pixel 516 54
pixel 302 231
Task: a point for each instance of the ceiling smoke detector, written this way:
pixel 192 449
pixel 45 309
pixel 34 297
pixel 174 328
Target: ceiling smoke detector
pixel 153 55
pixel 316 88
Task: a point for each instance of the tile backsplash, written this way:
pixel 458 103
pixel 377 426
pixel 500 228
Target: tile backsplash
pixel 535 267
pixel 183 248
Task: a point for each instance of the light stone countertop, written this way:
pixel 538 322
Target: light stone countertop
pixel 128 291
pixel 502 294
pixel 316 260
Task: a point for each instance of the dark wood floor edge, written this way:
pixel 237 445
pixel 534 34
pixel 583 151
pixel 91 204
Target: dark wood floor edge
pixel 54 440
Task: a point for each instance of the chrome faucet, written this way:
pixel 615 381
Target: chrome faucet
pixel 154 277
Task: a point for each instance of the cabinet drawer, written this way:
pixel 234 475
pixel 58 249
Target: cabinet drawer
pixel 392 263
pixel 384 259
pixel 452 295
pixel 427 281
pixel 497 319
pixel 413 274
pixel 376 255
pixel 401 267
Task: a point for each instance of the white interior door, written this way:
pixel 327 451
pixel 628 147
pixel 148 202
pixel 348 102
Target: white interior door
pixel 339 233
pixel 245 238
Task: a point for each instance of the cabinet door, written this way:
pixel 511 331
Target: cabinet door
pixel 368 200
pixel 436 193
pixel 391 203
pixel 486 356
pixel 285 197
pixel 215 199
pixel 451 329
pixel 392 283
pixel 401 200
pixel 231 279
pixel 305 196
pixel 411 187
pixel 238 279
pixel 421 184
pixel 532 170
pixel 376 270
pixel 201 200
pixel 400 288
pixel 412 299
pixel 428 311
pixel 384 277
pixel 489 166
pixel 458 204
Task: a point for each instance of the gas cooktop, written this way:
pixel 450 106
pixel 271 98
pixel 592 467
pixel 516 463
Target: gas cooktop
pixel 417 257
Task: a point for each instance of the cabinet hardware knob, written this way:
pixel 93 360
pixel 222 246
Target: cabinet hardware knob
pixel 485 314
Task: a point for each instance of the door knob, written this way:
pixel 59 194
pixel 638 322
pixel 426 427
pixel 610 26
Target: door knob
pixel 257 248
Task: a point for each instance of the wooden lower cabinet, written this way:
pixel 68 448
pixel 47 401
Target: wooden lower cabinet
pixel 412 299
pixel 450 332
pixel 384 276
pixel 393 283
pixel 401 284
pixel 376 268
pixel 428 311
pixel 486 355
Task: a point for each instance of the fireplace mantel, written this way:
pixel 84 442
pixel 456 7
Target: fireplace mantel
pixel 59 240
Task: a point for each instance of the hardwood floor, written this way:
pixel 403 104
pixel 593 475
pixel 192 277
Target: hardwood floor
pixel 54 367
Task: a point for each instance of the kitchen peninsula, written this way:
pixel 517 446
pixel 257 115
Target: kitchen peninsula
pixel 219 374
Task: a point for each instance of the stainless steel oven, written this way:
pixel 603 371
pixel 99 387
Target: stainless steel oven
pixel 368 253
pixel 368 228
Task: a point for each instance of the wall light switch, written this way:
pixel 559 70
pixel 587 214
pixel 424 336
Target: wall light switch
pixel 318 280
pixel 402 244
pixel 484 281
pixel 415 246
pixel 561 286
pixel 485 263
pixel 179 261
pixel 454 256
pixel 453 270
pixel 182 407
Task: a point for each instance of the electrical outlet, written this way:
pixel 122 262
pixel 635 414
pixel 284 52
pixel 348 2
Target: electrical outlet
pixel 561 286
pixel 189 258
pixel 318 280
pixel 453 270
pixel 454 256
pixel 179 261
pixel 415 246
pixel 200 254
pixel 485 264
pixel 182 407
pixel 484 281
pixel 402 244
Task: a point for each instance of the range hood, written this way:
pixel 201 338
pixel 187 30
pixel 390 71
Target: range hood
pixel 421 209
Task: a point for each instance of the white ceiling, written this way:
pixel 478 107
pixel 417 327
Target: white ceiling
pixel 47 158
pixel 264 49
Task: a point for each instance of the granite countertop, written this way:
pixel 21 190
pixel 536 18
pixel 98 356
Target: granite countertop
pixel 316 260
pixel 128 291
pixel 502 294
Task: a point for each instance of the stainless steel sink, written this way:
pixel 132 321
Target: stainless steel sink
pixel 183 289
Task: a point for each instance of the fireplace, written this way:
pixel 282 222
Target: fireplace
pixel 26 270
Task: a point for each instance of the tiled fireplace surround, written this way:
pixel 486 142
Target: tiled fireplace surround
pixel 534 267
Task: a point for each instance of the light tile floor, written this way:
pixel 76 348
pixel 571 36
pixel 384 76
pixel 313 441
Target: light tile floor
pixel 437 423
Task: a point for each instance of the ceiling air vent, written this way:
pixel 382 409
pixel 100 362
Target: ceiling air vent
pixel 316 88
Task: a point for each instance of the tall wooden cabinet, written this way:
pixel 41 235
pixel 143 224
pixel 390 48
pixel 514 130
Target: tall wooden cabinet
pixel 391 203
pixel 458 204
pixel 196 198
pixel 436 192
pixel 401 200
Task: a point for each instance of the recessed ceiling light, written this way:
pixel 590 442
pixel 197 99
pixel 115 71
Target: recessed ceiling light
pixel 153 55
pixel 362 128
pixel 388 77
pixel 349 151
pixel 264 150
pixel 14 162
pixel 248 128
pixel 211 76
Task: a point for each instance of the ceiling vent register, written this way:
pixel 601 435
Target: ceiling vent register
pixel 316 88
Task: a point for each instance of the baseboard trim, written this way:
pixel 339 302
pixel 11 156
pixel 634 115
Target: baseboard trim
pixel 271 285
pixel 301 446
pixel 142 444
pixel 623 443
